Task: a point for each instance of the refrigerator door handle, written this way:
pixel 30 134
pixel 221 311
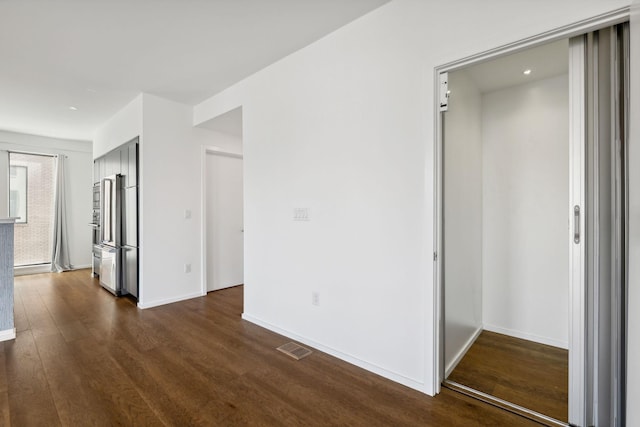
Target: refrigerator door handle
pixel 576 224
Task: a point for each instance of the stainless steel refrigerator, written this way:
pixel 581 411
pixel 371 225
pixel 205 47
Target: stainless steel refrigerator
pixel 119 234
pixel 111 233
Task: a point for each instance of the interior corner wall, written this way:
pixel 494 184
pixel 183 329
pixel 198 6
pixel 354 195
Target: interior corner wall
pixel 79 175
pixel 525 211
pixel 125 125
pixel 170 180
pixel 220 141
pixel 345 127
pixel 462 197
pixel 170 150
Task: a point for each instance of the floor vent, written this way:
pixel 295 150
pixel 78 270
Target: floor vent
pixel 294 350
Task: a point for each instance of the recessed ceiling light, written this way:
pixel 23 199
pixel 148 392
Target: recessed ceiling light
pixel 526 72
pixel 72 108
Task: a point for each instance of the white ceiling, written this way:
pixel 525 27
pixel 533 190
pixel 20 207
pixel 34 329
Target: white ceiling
pixel 544 61
pixel 97 55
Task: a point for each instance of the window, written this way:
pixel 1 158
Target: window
pixel 31 199
pixel 18 193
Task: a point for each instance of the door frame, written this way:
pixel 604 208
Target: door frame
pixel 207 150
pixel 577 310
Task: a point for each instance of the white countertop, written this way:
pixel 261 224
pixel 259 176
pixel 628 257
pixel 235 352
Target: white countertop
pixel 7 220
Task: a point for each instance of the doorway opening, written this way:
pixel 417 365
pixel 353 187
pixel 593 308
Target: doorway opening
pixel 530 245
pixel 223 203
pixel 225 240
pixel 506 192
pixel 31 200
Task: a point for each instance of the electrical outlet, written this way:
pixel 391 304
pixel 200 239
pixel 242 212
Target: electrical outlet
pixel 187 214
pixel 187 268
pixel 315 298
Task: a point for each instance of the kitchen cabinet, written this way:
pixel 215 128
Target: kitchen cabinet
pixel 132 159
pixel 124 165
pixel 113 163
pixel 98 169
pixel 123 160
pixel 130 216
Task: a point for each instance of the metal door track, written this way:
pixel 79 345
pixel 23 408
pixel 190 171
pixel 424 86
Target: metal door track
pixel 503 404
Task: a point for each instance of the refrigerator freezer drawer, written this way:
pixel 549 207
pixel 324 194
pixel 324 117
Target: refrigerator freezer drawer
pixel 130 274
pixel 110 270
pixel 95 268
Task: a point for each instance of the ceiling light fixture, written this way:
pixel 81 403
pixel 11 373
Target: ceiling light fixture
pixel 72 108
pixel 526 72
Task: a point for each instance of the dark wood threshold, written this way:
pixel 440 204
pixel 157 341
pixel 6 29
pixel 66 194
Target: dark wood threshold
pixel 503 404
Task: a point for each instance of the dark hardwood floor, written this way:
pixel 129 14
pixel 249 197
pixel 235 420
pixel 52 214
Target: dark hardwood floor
pixel 85 358
pixel 532 375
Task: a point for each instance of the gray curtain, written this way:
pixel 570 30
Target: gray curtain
pixel 60 255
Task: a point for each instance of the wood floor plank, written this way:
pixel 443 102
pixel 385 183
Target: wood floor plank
pixel 5 418
pixel 30 400
pixel 528 374
pixel 88 358
pixel 4 381
pixel 4 390
pixel 40 321
pixel 114 390
pixel 76 402
pixel 20 319
pixel 24 369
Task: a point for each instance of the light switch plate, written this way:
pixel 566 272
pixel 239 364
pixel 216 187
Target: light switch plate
pixel 301 214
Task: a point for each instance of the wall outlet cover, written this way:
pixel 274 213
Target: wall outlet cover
pixel 301 214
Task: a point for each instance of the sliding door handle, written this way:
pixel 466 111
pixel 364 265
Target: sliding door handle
pixel 576 224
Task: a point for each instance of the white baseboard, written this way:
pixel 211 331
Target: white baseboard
pixel 156 303
pixel 462 352
pixel 409 382
pixel 8 334
pixel 31 269
pixel 41 268
pixel 526 336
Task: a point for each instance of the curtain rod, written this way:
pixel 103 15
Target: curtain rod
pixel 36 154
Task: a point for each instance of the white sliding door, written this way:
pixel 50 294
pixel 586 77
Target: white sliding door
pixel 224 210
pixel 577 293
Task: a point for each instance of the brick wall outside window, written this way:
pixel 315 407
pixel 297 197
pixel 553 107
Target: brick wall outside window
pixel 33 240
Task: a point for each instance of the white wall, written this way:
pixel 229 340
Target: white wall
pixel 525 216
pixel 171 152
pixel 170 179
pixel 219 141
pixel 463 218
pixel 79 185
pixel 125 125
pixel 345 127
